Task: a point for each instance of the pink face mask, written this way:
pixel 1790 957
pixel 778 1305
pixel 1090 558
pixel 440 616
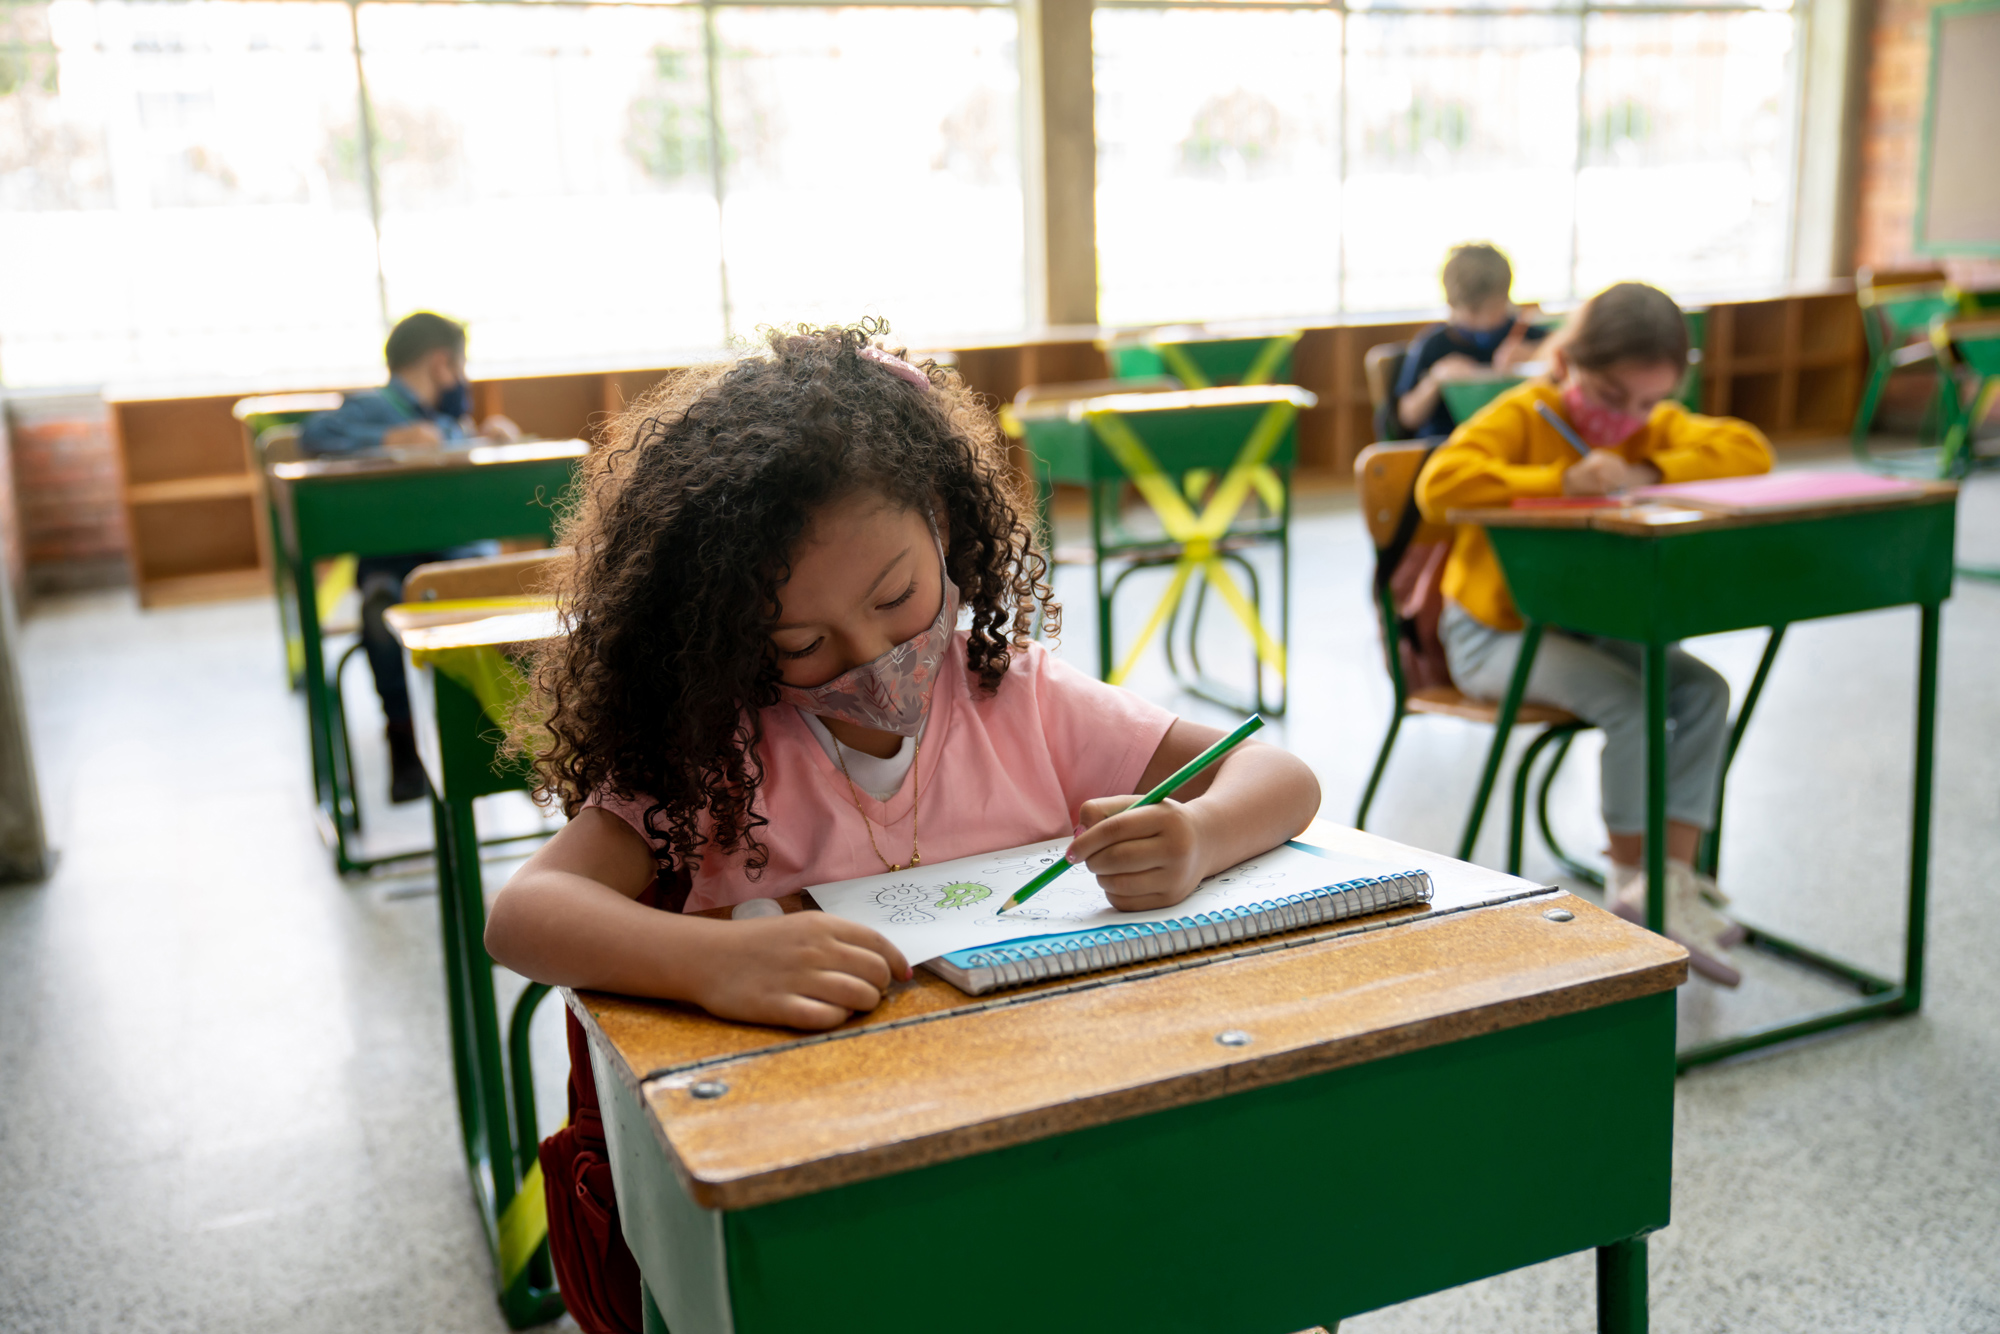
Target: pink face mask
pixel 1600 427
pixel 892 693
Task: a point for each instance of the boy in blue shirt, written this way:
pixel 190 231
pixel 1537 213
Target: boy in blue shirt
pixel 425 405
pixel 1485 336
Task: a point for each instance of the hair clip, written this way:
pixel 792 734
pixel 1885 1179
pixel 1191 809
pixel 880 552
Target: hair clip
pixel 896 366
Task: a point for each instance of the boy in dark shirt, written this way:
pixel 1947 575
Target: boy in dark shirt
pixel 425 406
pixel 1485 336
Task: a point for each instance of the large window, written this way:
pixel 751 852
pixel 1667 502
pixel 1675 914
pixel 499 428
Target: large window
pixel 246 191
pixel 1590 142
pixel 1218 161
pixel 180 195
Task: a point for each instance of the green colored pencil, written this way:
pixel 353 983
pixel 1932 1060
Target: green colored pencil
pixel 1157 795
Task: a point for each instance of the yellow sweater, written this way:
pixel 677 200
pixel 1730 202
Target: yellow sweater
pixel 1507 450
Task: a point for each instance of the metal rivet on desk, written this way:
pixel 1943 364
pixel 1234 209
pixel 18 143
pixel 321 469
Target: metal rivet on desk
pixel 1560 915
pixel 708 1088
pixel 1233 1037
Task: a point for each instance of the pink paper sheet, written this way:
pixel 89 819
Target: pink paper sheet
pixel 1778 490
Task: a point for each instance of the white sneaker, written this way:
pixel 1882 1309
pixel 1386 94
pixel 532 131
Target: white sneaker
pixel 1713 895
pixel 1624 890
pixel 1691 923
pixel 1690 889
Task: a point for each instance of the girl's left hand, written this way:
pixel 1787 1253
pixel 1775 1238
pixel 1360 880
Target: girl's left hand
pixel 1145 858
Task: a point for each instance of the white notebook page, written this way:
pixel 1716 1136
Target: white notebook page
pixel 926 911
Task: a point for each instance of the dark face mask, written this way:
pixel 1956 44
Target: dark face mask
pixel 1484 341
pixel 455 401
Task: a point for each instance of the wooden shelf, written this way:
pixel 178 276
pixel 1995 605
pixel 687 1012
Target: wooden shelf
pixel 1789 365
pixel 1789 362
pixel 191 488
pixel 214 586
pixel 1753 365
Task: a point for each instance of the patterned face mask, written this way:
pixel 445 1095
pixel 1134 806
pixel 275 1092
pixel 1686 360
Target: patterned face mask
pixel 892 693
pixel 1600 427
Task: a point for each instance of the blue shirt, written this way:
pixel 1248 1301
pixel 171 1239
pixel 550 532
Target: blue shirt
pixel 1427 349
pixel 361 419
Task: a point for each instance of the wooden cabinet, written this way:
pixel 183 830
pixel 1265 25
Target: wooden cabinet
pixel 1790 365
pixel 1790 362
pixel 191 500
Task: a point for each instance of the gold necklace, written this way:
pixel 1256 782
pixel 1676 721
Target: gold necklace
pixel 868 825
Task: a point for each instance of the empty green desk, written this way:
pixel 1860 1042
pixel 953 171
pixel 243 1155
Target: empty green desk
pixel 384 506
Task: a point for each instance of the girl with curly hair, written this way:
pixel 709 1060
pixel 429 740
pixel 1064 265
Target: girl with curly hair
pixel 766 684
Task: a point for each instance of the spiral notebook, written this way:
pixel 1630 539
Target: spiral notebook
pixel 943 915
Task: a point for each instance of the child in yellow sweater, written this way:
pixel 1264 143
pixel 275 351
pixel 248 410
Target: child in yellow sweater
pixel 1610 372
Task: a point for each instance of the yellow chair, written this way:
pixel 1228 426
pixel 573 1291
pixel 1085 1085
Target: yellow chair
pixel 1386 477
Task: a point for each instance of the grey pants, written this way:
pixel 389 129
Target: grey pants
pixel 1598 681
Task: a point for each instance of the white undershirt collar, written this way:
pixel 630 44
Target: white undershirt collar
pixel 879 778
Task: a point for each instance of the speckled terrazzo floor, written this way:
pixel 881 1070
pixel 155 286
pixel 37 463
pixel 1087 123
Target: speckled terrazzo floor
pixel 225 1098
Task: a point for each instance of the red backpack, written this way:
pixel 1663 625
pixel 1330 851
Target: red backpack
pixel 1409 571
pixel 594 1267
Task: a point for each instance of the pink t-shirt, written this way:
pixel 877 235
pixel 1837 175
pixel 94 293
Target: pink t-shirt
pixel 994 771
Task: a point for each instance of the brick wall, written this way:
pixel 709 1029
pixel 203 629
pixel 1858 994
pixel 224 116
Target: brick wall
pixel 1891 142
pixel 65 483
pixel 13 558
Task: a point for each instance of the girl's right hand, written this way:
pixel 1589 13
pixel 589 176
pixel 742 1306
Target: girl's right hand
pixel 802 970
pixel 1604 471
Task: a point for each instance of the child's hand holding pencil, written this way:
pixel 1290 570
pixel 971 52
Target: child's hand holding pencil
pixel 1147 852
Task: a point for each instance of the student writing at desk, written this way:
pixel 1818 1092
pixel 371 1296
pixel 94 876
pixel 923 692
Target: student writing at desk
pixel 765 685
pixel 426 405
pixel 1611 369
pixel 1486 335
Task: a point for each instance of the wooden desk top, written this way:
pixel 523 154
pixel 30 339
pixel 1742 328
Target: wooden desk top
pixel 401 461
pixel 473 623
pixel 1665 519
pixel 933 1075
pixel 1224 396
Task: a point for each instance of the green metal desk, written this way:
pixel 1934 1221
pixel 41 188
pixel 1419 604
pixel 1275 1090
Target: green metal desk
pixel 1256 1143
pixel 1659 575
pixel 461 678
pixel 1200 359
pixel 1214 467
pixel 385 507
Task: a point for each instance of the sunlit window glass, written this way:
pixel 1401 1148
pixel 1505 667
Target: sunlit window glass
pixel 544 176
pixel 872 167
pixel 181 195
pixel 1218 189
pixel 1460 127
pixel 1687 149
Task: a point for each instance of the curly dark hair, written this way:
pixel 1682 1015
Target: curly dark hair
pixel 684 523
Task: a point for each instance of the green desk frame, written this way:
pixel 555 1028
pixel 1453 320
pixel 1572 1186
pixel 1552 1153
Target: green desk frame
pixel 495 1080
pixel 378 507
pixel 1173 447
pixel 1672 584
pixel 1895 319
pixel 1968 357
pixel 1202 362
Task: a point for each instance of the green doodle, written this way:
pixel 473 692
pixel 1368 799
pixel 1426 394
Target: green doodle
pixel 963 895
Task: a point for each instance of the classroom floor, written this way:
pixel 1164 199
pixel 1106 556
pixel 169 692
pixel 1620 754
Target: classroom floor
pixel 225 1087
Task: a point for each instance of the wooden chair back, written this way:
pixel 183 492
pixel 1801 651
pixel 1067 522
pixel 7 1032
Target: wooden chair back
pixel 278 444
pixel 1385 477
pixel 517 574
pixel 1867 279
pixel 1381 367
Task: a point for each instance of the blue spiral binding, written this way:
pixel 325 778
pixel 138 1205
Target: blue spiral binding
pixel 1149 940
